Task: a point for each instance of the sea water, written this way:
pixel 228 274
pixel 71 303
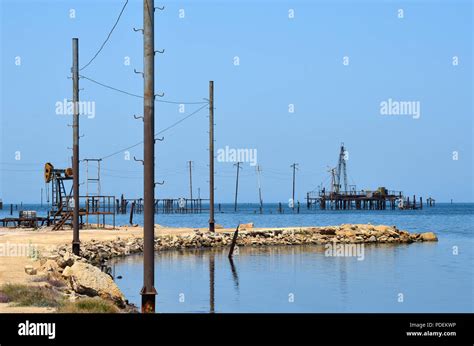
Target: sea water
pixel 418 277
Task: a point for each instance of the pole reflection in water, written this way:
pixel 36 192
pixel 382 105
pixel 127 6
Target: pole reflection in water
pixel 211 282
pixel 260 279
pixel 235 275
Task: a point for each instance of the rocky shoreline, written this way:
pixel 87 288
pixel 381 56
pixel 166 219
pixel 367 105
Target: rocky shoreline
pixel 96 252
pixel 82 276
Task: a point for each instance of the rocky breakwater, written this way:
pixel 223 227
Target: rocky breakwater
pixel 348 233
pixel 98 252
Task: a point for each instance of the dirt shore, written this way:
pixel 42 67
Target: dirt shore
pixel 12 267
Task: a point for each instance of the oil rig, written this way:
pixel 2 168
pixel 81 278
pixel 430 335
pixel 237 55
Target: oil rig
pixel 342 196
pixel 93 206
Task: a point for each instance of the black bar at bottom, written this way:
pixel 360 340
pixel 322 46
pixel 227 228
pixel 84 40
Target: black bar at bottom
pixel 380 329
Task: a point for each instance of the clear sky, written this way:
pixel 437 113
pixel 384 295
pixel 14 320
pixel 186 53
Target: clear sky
pixel 424 57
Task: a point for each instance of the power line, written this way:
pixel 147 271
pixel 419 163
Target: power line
pixel 181 120
pixel 21 170
pixel 140 96
pixel 110 87
pixel 156 134
pixel 108 36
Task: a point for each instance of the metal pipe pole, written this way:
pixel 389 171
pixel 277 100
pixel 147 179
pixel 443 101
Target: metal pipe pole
pixel 293 194
pixel 236 185
pixel 259 189
pixel 211 157
pixel 190 181
pixel 148 291
pixel 75 147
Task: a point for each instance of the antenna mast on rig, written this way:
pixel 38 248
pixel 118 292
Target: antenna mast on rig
pixel 341 170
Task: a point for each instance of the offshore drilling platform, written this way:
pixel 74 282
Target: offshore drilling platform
pixel 342 196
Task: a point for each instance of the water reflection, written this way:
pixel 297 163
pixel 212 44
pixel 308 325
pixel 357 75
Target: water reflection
pixel 260 279
pixel 211 282
pixel 235 275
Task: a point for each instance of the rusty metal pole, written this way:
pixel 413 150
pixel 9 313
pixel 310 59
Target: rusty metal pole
pixel 211 157
pixel 148 291
pixel 76 245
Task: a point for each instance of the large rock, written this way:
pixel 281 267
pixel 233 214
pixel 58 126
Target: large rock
pixel 49 266
pixel 30 270
pixel 89 280
pixel 345 232
pixel 382 229
pixel 327 231
pixel 66 260
pixel 429 236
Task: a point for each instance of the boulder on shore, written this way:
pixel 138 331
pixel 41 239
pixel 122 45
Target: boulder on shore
pixel 91 281
pixel 49 266
pixel 66 260
pixel 30 270
pixel 429 236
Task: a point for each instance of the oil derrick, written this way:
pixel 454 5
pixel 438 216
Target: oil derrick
pixel 334 184
pixel 341 171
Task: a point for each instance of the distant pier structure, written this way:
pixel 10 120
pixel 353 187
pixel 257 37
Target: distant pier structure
pixel 342 196
pixel 162 206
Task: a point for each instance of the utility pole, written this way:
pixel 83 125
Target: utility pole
pixel 76 244
pixel 148 291
pixel 190 181
pixel 211 157
pixel 259 188
pixel 237 184
pixel 294 166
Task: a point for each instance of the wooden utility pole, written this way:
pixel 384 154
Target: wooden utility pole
pixel 148 291
pixel 76 245
pixel 190 181
pixel 258 169
pixel 294 166
pixel 237 184
pixel 211 157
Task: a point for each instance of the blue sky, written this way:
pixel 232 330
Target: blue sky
pixel 283 61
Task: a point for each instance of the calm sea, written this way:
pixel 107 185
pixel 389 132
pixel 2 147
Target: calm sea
pixel 421 277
